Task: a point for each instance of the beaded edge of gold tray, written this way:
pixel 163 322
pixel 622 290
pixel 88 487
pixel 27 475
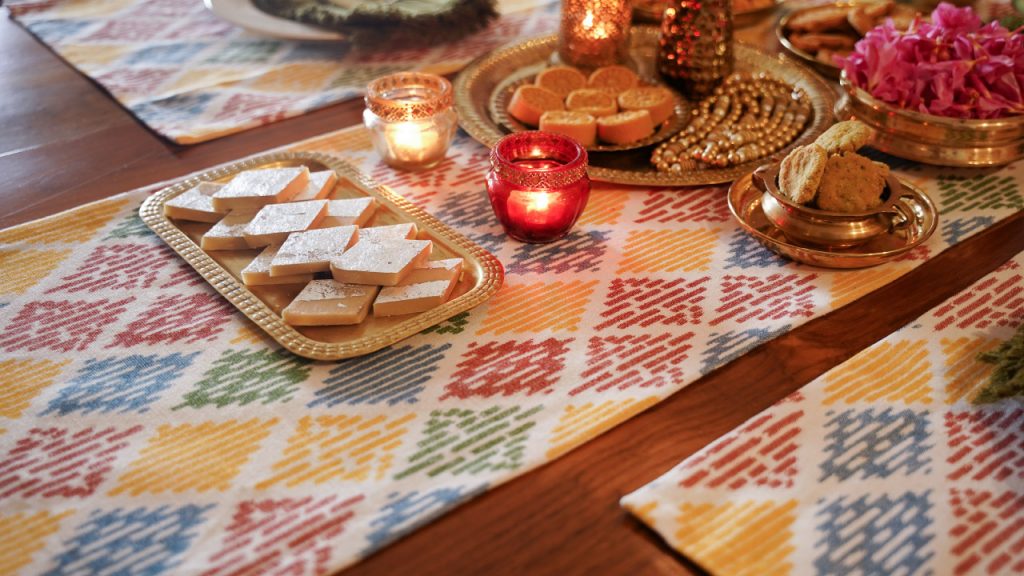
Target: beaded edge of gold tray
pixel 483 273
pixel 474 88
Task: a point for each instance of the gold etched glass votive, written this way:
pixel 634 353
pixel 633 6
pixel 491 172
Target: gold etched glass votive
pixel 410 118
pixel 594 32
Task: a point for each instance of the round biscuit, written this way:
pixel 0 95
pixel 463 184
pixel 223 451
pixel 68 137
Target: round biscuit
pixel 846 136
pixel 851 183
pixel 801 172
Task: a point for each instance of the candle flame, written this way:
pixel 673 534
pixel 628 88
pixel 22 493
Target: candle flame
pixel 588 20
pixel 408 135
pixel 538 202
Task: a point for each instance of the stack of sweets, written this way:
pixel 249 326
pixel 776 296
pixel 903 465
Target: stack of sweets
pixel 306 235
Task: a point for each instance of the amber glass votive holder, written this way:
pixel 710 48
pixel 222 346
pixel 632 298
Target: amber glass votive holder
pixel 594 33
pixel 410 118
pixel 538 185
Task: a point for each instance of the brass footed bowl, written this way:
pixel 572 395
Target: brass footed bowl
pixel 933 139
pixel 811 226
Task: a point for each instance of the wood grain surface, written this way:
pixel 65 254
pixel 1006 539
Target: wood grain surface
pixel 64 142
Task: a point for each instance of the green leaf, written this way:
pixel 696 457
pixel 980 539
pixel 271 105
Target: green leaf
pixel 1007 380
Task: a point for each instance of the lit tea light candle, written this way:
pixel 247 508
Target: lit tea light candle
pixel 593 32
pixel 538 185
pixel 410 118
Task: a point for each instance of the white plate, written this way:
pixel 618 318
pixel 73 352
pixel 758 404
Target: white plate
pixel 244 14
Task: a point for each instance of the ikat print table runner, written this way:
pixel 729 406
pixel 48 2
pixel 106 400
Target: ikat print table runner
pixel 880 466
pixel 146 426
pixel 191 76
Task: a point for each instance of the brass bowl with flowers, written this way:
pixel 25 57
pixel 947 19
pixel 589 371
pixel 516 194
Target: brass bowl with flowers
pixel 932 139
pixel 903 206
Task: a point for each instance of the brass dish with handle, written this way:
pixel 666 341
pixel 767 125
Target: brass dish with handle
pixel 745 202
pixel 809 225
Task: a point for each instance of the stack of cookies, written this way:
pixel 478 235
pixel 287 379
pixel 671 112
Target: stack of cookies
pixel 608 105
pixel 829 174
pixel 830 31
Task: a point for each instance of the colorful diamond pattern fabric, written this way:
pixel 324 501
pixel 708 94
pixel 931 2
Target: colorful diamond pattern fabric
pixel 880 466
pixel 147 426
pixel 191 76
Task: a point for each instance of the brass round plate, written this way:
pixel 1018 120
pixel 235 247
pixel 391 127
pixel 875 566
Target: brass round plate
pixel 475 85
pixel 745 204
pixel 502 95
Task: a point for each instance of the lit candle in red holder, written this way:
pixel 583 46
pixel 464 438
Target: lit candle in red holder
pixel 538 185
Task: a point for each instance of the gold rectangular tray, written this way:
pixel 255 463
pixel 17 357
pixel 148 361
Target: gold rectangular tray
pixel 482 273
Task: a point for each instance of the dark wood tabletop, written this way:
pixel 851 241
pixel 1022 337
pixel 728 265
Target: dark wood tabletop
pixel 65 142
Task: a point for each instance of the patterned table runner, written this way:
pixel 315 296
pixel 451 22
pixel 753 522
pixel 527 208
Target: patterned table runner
pixel 880 466
pixel 191 76
pixel 146 425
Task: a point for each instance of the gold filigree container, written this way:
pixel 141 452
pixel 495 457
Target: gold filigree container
pixel 594 32
pixel 695 47
pixel 410 118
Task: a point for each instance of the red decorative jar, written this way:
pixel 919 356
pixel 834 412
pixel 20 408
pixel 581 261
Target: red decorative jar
pixel 538 185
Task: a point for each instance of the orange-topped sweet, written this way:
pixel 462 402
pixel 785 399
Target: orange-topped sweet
pixel 595 102
pixel 530 101
pixel 625 127
pixel 613 79
pixel 655 99
pixel 561 80
pixel 579 126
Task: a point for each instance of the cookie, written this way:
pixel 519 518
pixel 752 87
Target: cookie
pixel 813 42
pixel 829 18
pixel 852 183
pixel 861 21
pixel 826 56
pixel 864 17
pixel 902 16
pixel 801 172
pixel 876 9
pixel 846 136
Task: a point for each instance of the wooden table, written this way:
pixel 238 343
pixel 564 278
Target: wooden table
pixel 64 142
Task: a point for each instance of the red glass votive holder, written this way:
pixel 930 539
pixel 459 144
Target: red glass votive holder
pixel 538 185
